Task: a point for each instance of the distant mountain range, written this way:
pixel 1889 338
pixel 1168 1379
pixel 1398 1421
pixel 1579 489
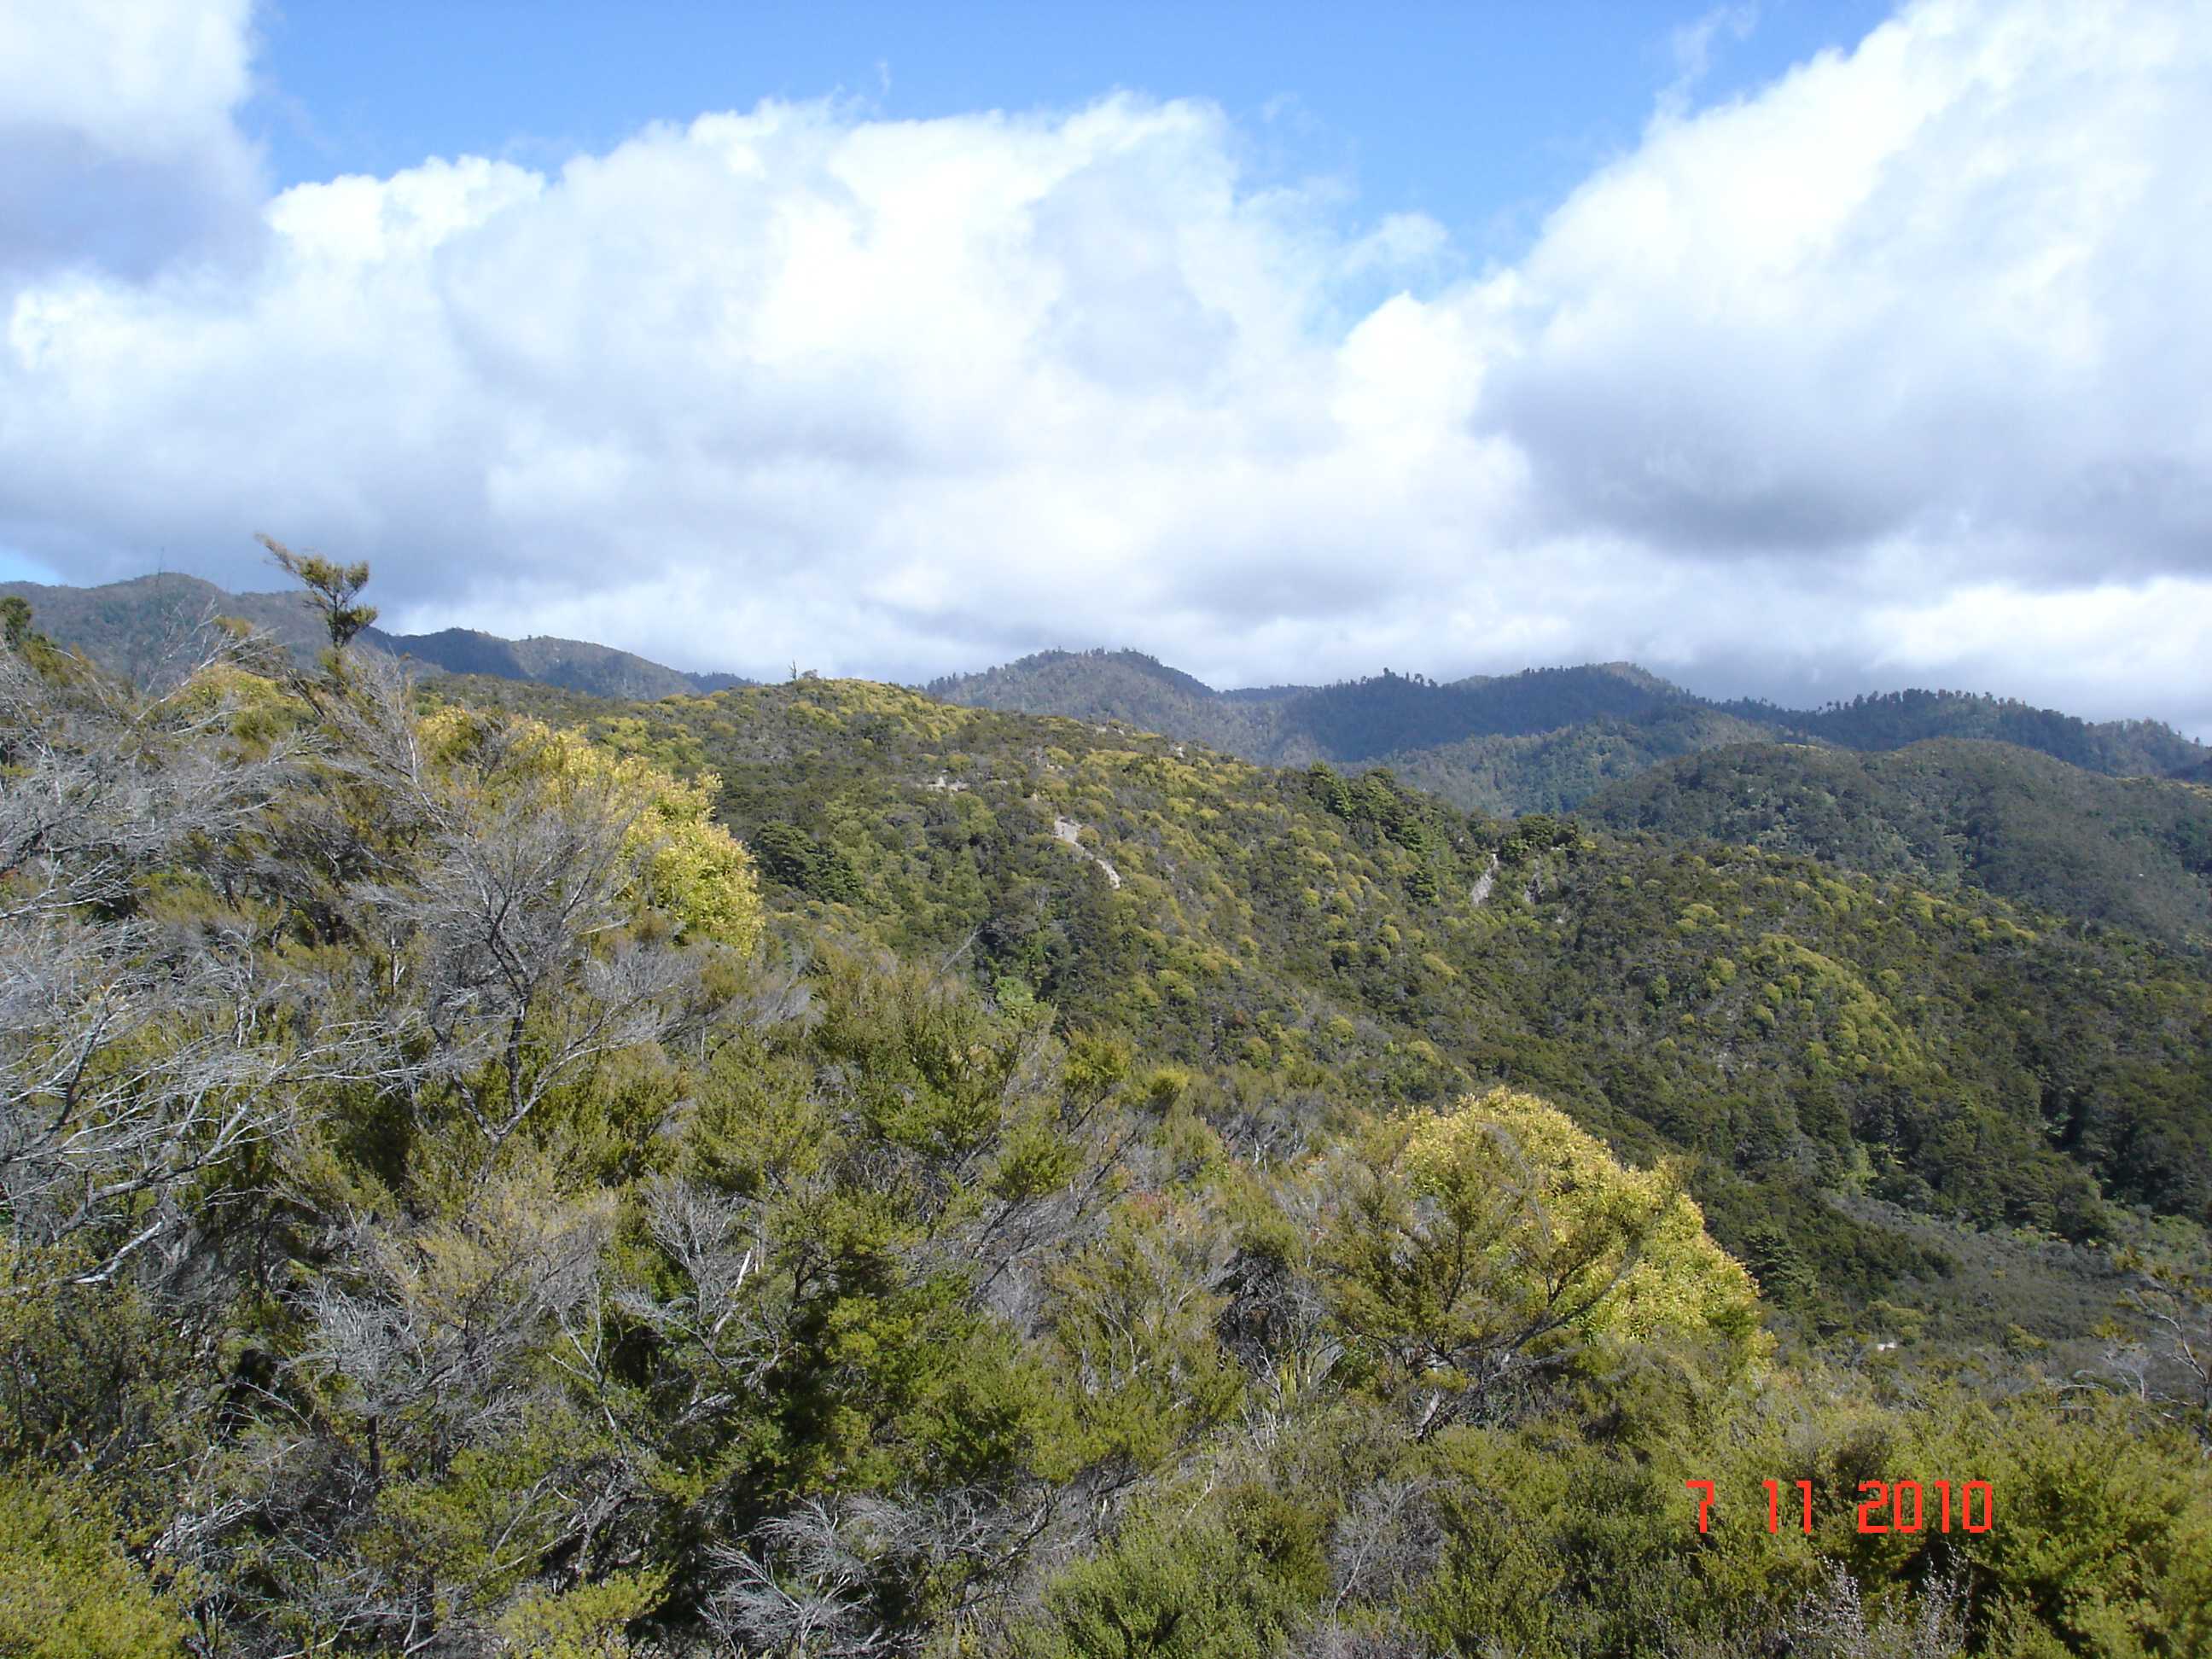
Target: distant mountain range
pixel 134 626
pixel 1543 740
pixel 2094 821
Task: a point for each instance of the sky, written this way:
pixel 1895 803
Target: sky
pixel 1788 350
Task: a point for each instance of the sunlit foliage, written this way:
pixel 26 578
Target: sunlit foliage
pixel 452 1202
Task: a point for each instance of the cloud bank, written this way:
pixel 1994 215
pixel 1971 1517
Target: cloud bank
pixel 117 136
pixel 1893 373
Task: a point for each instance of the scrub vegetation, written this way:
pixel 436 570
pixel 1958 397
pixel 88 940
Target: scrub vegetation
pixel 488 1171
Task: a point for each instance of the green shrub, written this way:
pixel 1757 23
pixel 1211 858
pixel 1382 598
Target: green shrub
pixel 67 1588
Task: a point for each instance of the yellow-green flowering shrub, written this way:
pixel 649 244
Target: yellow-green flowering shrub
pixel 1631 1242
pixel 1497 1236
pixel 688 865
pixel 67 1590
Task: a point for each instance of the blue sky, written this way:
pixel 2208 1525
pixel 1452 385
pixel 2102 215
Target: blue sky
pixel 1791 349
pixel 1481 116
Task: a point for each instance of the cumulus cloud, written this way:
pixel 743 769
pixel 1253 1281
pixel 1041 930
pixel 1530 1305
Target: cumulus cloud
pixel 1892 371
pixel 115 124
pixel 1936 287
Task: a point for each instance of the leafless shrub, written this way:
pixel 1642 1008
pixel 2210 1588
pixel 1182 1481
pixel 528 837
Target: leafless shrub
pixel 1832 1622
pixel 437 1319
pixel 1386 1540
pixel 872 1575
pixel 103 786
pixel 731 1317
pixel 801 1589
pixel 1333 1639
pixel 130 1067
pixel 2170 1369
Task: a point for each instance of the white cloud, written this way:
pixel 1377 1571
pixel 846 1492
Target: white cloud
pixel 1940 285
pixel 116 129
pixel 138 77
pixel 1892 370
pixel 1692 46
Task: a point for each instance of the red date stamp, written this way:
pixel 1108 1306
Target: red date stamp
pixel 1902 1506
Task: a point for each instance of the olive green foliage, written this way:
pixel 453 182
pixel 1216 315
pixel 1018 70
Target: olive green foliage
pixel 67 1590
pixel 1572 1532
pixel 1235 1584
pixel 1561 768
pixel 1793 1031
pixel 332 589
pixel 2135 853
pixel 687 863
pixel 1057 1202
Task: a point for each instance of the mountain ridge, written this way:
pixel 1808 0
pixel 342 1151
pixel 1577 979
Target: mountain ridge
pixel 1403 721
pixel 139 627
pixel 1544 739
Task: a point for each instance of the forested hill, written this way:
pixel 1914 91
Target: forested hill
pixel 1794 1030
pixel 1541 740
pixel 2137 852
pixel 1130 687
pixel 146 627
pixel 1039 1192
pixel 1892 719
pixel 1356 721
pixel 571 665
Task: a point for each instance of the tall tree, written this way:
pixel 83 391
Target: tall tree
pixel 333 589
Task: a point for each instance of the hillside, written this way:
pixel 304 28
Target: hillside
pixel 150 625
pixel 1541 740
pixel 1892 719
pixel 1794 1030
pixel 1559 771
pixel 1358 721
pixel 143 627
pixel 1129 687
pixel 2133 852
pixel 1538 741
pixel 1038 1194
pixel 571 665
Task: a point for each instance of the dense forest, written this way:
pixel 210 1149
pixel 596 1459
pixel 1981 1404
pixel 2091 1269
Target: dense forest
pixel 2063 815
pixel 1892 719
pixel 813 1169
pixel 1477 741
pixel 1746 1006
pixel 2137 852
pixel 1544 740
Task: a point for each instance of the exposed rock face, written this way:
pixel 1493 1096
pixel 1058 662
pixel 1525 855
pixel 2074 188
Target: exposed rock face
pixel 1069 830
pixel 1484 883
